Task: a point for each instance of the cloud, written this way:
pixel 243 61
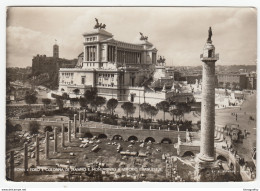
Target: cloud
pixel 178 33
pixel 23 44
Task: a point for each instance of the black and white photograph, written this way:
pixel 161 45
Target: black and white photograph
pixel 131 94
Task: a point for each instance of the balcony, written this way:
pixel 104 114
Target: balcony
pixel 216 57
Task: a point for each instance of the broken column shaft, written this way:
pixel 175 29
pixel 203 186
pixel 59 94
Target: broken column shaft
pixel 37 152
pixel 55 140
pixel 62 136
pixel 69 131
pixel 25 161
pixel 75 125
pixel 47 145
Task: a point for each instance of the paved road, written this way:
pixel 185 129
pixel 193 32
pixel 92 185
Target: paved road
pixel 248 109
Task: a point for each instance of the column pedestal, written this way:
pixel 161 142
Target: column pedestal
pixel 206 171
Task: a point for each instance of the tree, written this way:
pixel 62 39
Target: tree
pixel 46 101
pixel 183 108
pixel 99 101
pixel 76 91
pixel 73 101
pixel 9 127
pixel 60 103
pixel 30 99
pixel 177 113
pixel 145 107
pixel 83 102
pixel 65 96
pixel 34 127
pixel 153 111
pixel 91 95
pixel 164 106
pixel 128 108
pixel 111 105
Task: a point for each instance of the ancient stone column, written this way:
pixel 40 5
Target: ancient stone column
pixel 208 103
pixel 69 131
pixel 62 136
pixel 205 160
pixel 80 128
pixel 55 141
pixel 47 145
pixel 75 125
pixel 187 136
pixel 11 169
pixel 84 117
pixel 221 137
pixel 179 139
pixel 25 161
pixel 220 132
pixel 79 117
pixel 37 151
pixel 217 133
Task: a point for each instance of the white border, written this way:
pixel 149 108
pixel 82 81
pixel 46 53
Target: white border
pixel 5 3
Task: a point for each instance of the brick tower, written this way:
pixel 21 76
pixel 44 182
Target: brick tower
pixel 55 50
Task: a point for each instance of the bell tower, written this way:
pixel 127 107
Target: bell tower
pixel 55 50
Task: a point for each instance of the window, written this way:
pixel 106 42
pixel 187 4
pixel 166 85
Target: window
pixel 210 53
pixel 83 80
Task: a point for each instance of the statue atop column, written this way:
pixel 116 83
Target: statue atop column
pixel 210 35
pixel 99 25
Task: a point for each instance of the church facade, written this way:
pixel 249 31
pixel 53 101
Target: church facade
pixel 114 67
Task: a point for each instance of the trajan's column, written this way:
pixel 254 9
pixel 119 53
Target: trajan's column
pixel 206 157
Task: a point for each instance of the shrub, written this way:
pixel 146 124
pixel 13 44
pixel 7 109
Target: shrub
pixel 94 118
pixel 109 121
pixel 123 123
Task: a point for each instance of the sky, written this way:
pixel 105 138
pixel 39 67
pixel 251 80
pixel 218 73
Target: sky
pixel 178 33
